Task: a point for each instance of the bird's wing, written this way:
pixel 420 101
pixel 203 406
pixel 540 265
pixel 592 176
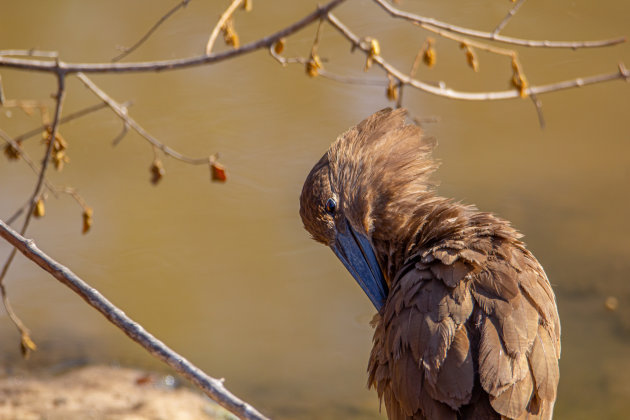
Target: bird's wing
pixel 462 321
pixel 519 330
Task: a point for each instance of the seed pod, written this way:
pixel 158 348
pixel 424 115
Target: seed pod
pixel 157 171
pixel 217 172
pixel 39 210
pixel 278 47
pixel 375 47
pixel 518 78
pixel 11 152
pixel 87 219
pixel 313 65
pixel 375 50
pixel 392 90
pixel 59 159
pixel 471 57
pixel 428 56
pixel 229 34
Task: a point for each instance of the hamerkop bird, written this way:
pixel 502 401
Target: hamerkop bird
pixel 467 325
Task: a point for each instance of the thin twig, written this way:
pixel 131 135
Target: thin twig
pixel 127 51
pixel 507 17
pixel 539 111
pixel 495 37
pixel 121 111
pixel 27 343
pixel 266 42
pixel 222 20
pixel 326 74
pixel 442 90
pixel 458 38
pixel 30 53
pixel 18 212
pixel 212 387
pixel 78 114
pixel 26 158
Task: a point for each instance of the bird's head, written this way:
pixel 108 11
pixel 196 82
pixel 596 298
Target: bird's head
pixel 363 191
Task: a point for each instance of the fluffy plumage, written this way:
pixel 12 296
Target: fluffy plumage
pixel 469 328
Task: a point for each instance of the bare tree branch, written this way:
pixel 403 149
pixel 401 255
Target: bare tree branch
pixel 75 115
pixel 393 11
pixel 266 42
pixel 212 387
pixel 121 111
pixel 30 53
pixel 442 90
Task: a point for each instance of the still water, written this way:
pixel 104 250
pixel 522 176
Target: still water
pixel 226 275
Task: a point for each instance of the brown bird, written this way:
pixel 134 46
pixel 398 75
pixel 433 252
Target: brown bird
pixel 467 325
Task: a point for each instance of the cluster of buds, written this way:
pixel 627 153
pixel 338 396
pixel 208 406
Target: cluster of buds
pixel 12 153
pixel 392 89
pixel 313 65
pixel 518 78
pixel 229 34
pixel 375 51
pixel 58 155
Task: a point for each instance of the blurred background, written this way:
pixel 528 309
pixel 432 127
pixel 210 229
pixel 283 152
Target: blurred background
pixel 225 273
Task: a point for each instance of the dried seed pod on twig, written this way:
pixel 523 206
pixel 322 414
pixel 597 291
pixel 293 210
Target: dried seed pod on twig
pixel 518 78
pixel 157 171
pixel 471 57
pixel 428 55
pixel 87 219
pixel 39 210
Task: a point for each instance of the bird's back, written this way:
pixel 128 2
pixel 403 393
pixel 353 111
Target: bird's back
pixel 470 327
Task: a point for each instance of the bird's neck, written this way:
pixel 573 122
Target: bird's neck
pixel 405 228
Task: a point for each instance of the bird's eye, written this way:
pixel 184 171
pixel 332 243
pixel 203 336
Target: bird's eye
pixel 331 206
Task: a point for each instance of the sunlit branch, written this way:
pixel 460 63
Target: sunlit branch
pixel 214 388
pixel 122 113
pixel 393 11
pixel 444 91
pixel 266 42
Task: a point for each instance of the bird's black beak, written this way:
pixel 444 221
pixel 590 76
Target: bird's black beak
pixel 357 255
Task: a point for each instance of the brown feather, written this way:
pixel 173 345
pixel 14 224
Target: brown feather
pixel 497 370
pixel 544 365
pixel 513 401
pixel 456 377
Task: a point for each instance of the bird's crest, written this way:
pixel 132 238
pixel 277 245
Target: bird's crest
pixel 380 166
